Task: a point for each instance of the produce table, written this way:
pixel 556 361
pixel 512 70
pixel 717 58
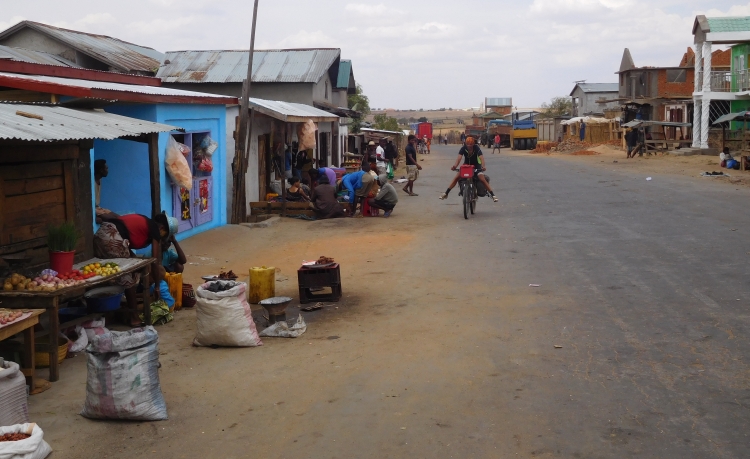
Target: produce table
pixel 50 301
pixel 25 325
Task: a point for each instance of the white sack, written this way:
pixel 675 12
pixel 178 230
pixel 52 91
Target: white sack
pixel 14 407
pixel 282 330
pixel 224 318
pixel 33 447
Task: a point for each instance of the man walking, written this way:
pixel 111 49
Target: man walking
pixel 412 167
pixel 496 145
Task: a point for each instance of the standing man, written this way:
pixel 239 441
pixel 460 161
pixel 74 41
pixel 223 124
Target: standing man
pixel 496 146
pixel 463 138
pixel 428 142
pixel 412 167
pixel 380 160
pixel 101 170
pixel 287 161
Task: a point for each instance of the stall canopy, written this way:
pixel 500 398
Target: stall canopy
pixel 55 123
pixel 290 112
pixel 644 123
pixel 739 116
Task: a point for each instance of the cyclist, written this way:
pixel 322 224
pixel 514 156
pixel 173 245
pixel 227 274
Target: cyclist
pixel 471 155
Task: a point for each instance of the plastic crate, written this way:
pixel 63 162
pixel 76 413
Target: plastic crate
pixel 319 277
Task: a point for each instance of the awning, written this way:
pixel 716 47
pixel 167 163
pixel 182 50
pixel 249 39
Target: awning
pixel 739 116
pixel 343 112
pixel 53 123
pixel 638 123
pixel 380 131
pixel 290 112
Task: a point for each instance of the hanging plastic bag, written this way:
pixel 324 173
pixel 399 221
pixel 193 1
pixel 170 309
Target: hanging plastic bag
pixel 306 135
pixel 176 164
pixel 209 145
pixel 206 165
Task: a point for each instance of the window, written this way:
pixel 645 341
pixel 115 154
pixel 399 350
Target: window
pixel 676 75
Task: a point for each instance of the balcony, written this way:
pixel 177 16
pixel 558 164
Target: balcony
pixel 726 81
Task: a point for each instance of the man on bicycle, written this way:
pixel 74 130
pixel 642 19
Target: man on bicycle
pixel 471 155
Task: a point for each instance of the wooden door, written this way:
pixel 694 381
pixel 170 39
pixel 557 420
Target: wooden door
pixel 183 208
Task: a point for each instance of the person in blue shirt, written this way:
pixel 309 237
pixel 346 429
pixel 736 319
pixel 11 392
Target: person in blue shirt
pixel 173 258
pixel 164 293
pixel 288 162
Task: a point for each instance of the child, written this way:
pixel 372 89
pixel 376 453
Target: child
pixel 163 286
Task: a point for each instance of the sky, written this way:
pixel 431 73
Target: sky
pixel 419 53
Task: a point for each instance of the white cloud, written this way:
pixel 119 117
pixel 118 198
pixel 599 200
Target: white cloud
pixel 367 9
pixel 305 39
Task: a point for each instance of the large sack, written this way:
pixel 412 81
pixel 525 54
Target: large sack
pixel 33 447
pixel 224 318
pixel 306 135
pixel 123 376
pixel 14 408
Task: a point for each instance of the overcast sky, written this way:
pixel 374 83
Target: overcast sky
pixel 419 53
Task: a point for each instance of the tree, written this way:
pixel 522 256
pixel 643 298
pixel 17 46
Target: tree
pixel 558 106
pixel 385 123
pixel 422 119
pixel 361 103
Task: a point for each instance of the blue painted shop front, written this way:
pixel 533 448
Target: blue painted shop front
pixel 127 188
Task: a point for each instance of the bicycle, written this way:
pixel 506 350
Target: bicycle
pixel 467 185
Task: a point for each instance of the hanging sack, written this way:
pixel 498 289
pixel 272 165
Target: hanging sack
pixel 123 376
pixel 33 447
pixel 176 164
pixel 306 135
pixel 224 317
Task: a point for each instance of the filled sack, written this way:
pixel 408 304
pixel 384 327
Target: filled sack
pixel 224 316
pixel 14 407
pixel 306 135
pixel 33 447
pixel 123 376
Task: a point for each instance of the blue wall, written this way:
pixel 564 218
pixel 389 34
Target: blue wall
pixel 127 188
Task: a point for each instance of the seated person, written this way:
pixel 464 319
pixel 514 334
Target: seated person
pixel 387 198
pixel 305 185
pixel 164 293
pixel 173 258
pixel 358 184
pixel 328 172
pixel 295 193
pixel 324 200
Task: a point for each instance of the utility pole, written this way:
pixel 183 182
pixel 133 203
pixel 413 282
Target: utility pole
pixel 244 134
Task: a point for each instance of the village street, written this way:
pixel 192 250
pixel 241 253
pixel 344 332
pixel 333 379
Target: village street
pixel 441 348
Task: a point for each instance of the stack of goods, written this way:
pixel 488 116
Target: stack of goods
pixel 98 269
pixel 50 280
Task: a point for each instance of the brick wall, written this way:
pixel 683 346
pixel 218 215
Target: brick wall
pixel 668 90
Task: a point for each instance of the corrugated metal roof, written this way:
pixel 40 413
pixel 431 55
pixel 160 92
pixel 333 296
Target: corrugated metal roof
pixel 345 72
pixel 120 55
pixel 271 66
pixel 729 24
pixel 498 102
pixel 61 123
pixel 9 78
pixel 291 112
pixel 598 87
pixel 34 57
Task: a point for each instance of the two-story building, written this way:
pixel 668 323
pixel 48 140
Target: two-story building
pixel 719 86
pixel 592 99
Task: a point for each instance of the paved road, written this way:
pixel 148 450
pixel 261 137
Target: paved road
pixel 441 349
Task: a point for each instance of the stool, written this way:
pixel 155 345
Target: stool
pixel 310 278
pixel 369 211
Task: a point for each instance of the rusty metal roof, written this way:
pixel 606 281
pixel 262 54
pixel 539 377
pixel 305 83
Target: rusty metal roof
pixel 269 66
pixel 118 54
pixel 291 112
pixel 34 57
pixel 20 122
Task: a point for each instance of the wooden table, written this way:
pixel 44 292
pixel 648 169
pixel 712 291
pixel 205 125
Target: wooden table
pixel 50 302
pixel 26 326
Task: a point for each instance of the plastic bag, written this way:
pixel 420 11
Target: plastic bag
pixel 176 164
pixel 33 447
pixel 77 339
pixel 209 145
pixel 160 313
pixel 224 318
pixel 14 408
pixel 306 135
pixel 282 329
pixel 206 165
pixel 94 327
pixel 123 377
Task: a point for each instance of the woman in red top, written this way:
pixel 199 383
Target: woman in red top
pixel 118 236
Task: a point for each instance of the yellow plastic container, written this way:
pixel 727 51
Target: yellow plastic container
pixel 174 280
pixel 262 284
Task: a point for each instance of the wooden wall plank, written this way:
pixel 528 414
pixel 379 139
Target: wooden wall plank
pixel 33 202
pixel 26 171
pixel 70 197
pixel 84 201
pixel 34 185
pixel 37 153
pixel 46 214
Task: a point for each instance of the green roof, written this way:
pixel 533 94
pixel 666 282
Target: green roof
pixel 729 24
pixel 345 70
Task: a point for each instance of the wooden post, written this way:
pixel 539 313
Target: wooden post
pixel 54 332
pixel 283 178
pixel 154 172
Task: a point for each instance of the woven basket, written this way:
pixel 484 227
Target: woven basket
pixel 41 354
pixel 188 296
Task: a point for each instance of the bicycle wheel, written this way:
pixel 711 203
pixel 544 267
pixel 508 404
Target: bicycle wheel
pixel 473 194
pixel 467 200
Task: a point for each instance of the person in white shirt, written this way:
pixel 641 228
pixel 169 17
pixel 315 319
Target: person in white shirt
pixel 380 160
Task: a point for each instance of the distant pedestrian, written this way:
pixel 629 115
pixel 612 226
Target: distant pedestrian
pixel 463 138
pixel 496 145
pixel 380 159
pixel 412 166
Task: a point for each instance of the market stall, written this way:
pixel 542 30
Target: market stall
pixel 23 322
pixel 660 135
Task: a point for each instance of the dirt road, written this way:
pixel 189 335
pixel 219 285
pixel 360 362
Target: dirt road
pixel 632 345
